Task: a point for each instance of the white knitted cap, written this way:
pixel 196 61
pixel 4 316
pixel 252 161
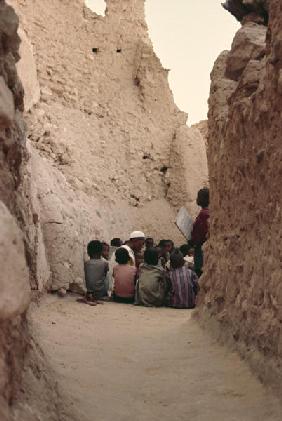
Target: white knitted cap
pixel 137 234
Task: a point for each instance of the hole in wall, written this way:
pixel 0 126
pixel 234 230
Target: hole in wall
pixel 4 148
pixel 119 50
pixel 137 81
pixel 164 169
pixel 97 6
pixel 135 199
pixel 95 50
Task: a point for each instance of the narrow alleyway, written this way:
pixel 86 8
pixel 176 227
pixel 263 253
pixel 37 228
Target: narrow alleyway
pixel 124 363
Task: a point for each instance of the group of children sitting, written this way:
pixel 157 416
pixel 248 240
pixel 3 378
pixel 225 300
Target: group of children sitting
pixel 141 273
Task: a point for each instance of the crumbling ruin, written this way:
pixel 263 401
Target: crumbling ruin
pixel 242 282
pixel 14 215
pixel 97 146
pixel 244 8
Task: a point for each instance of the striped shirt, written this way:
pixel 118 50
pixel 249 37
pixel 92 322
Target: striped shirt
pixel 185 286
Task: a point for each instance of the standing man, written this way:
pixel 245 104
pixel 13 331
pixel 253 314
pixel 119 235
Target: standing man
pixel 201 229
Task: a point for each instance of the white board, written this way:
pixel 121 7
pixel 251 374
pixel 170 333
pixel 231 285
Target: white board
pixel 184 222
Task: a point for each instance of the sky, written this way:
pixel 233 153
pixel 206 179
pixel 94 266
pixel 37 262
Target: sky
pixel 188 36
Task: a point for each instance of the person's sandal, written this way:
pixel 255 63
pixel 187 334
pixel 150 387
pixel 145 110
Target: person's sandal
pixel 82 300
pixel 92 303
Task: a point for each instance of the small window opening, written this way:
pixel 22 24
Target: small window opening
pixel 119 50
pixel 136 200
pixel 137 81
pixel 164 169
pixel 133 196
pixel 95 50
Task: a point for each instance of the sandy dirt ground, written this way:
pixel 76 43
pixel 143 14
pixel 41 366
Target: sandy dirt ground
pixel 122 363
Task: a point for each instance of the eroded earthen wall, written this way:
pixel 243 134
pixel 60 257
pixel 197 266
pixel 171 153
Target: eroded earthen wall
pixel 242 286
pixel 188 169
pixel 14 215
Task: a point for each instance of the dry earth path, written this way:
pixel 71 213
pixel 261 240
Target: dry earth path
pixel 123 363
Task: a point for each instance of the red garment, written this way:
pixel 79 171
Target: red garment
pixel 201 227
pixel 124 281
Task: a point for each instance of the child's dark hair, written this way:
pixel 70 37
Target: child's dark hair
pixel 116 242
pixel 94 249
pixel 122 256
pixel 176 259
pixel 151 256
pixel 185 248
pixel 163 243
pixel 149 240
pixel 203 198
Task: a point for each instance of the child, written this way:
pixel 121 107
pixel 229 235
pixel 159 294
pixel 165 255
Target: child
pixel 184 283
pixel 149 243
pixel 188 253
pixel 96 270
pixel 115 244
pixel 106 251
pixel 106 257
pixel 152 283
pixel 164 253
pixel 124 276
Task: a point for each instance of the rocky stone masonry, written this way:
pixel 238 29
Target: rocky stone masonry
pixel 14 215
pixel 242 286
pixel 242 9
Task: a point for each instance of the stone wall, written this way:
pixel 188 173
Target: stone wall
pixel 14 215
pixel 243 9
pixel 188 169
pixel 242 283
pixel 111 109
